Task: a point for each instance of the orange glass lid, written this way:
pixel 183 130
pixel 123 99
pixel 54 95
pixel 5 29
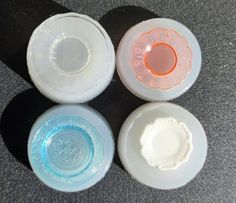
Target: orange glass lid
pixel 158 59
pixel 161 58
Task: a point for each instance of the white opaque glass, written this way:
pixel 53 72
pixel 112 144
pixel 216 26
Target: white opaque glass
pixel 129 146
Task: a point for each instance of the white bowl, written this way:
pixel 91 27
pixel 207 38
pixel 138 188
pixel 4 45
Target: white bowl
pixel 129 146
pixel 166 143
pixel 70 58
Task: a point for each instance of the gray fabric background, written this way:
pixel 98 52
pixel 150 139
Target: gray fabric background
pixel 212 99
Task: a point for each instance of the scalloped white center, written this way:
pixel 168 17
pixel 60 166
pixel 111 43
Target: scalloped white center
pixel 166 143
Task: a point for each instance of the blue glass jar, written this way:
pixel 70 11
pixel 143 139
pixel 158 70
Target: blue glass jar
pixel 70 147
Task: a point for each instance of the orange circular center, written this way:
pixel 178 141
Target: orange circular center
pixel 160 59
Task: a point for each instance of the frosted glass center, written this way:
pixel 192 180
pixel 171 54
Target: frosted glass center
pixel 71 55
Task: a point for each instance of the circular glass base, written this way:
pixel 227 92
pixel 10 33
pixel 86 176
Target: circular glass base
pixel 71 55
pixel 158 59
pixel 70 147
pixel 129 146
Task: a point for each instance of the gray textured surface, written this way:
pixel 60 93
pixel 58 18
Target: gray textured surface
pixel 212 100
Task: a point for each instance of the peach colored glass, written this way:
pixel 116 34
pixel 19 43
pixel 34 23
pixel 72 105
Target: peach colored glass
pixel 161 58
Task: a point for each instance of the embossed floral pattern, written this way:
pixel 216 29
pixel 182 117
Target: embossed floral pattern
pixel 177 43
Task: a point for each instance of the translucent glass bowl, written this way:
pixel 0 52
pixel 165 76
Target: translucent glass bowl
pixel 129 146
pixel 70 58
pixel 70 148
pixel 158 59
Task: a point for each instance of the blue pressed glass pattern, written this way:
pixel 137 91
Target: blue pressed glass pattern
pixel 67 149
